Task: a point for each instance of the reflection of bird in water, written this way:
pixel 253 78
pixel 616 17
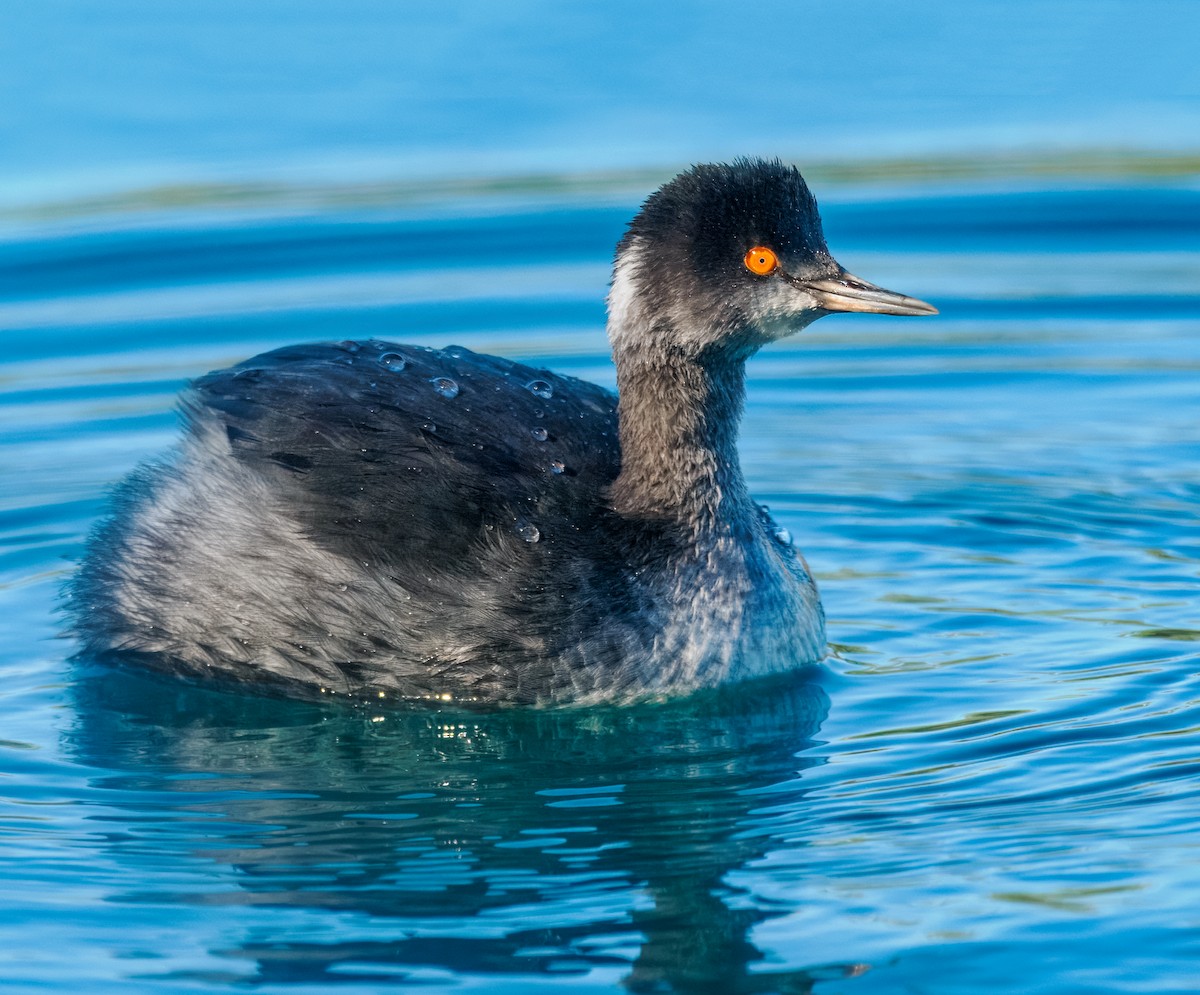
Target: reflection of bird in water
pixel 512 842
pixel 375 519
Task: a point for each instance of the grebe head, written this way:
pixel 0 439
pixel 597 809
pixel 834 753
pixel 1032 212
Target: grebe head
pixel 725 258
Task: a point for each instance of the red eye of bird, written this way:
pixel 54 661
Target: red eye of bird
pixel 761 260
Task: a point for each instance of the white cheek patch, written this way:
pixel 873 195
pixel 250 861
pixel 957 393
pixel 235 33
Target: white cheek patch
pixel 780 309
pixel 772 307
pixel 624 308
pixel 632 325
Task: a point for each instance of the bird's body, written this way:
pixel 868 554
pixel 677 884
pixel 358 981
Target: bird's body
pixel 375 519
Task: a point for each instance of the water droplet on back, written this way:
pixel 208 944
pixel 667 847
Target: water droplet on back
pixel 527 530
pixel 558 466
pixel 349 345
pixel 539 434
pixel 393 361
pixel 540 388
pixel 445 386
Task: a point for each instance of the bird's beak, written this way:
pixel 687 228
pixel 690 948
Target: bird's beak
pixel 848 292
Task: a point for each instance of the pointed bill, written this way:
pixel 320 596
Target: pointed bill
pixel 848 292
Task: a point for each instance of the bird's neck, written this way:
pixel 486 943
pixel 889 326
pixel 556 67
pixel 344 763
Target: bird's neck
pixel 678 423
pixel 678 413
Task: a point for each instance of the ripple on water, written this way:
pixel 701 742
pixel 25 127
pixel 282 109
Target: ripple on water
pixel 991 786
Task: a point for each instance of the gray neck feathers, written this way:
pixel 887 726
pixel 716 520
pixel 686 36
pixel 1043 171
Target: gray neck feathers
pixel 679 410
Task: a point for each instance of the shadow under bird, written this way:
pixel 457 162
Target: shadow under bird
pixel 382 520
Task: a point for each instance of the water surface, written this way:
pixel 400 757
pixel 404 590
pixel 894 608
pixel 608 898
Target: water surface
pixel 993 784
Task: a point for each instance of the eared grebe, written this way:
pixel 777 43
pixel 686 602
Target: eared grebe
pixel 385 520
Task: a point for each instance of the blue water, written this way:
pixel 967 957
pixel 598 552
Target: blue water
pixel 135 93
pixel 993 783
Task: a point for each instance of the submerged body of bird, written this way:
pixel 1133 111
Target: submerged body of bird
pixel 374 519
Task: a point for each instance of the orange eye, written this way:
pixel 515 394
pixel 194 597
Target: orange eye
pixel 761 260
